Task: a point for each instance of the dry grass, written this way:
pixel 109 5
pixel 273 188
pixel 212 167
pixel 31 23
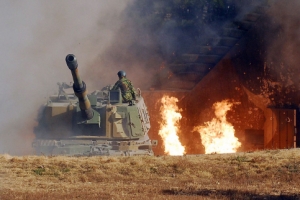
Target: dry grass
pixel 257 175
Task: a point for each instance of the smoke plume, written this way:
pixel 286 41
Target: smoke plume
pixel 269 64
pixel 35 37
pixel 108 36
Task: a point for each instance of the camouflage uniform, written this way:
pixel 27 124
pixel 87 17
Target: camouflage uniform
pixel 126 88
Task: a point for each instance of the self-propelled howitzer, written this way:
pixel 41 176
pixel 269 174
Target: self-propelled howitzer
pixel 78 123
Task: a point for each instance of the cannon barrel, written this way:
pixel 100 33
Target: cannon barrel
pixel 79 87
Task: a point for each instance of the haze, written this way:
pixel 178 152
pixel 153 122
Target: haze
pixel 35 37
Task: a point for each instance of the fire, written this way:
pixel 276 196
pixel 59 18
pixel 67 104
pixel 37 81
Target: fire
pixel 169 127
pixel 218 135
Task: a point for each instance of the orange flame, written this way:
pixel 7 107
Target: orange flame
pixel 218 135
pixel 169 127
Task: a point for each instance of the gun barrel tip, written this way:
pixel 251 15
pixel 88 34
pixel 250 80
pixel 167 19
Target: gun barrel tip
pixel 70 57
pixel 71 61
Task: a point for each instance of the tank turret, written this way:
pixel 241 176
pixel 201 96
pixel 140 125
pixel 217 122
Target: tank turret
pixel 92 124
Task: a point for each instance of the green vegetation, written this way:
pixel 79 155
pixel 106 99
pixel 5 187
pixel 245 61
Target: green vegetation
pixel 50 171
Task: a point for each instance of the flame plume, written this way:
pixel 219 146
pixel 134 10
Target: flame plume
pixel 218 135
pixel 169 127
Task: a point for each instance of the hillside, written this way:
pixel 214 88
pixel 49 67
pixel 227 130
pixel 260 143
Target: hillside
pixel 253 175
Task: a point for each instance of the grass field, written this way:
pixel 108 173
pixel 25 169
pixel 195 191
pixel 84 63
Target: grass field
pixel 255 175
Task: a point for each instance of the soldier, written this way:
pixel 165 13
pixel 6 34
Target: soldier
pixel 125 86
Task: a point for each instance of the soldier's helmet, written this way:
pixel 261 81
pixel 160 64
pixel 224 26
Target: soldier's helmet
pixel 121 74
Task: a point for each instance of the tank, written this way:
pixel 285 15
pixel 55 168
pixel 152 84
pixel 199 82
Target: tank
pixel 79 123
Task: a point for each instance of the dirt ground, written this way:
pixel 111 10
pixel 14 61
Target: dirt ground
pixel 254 175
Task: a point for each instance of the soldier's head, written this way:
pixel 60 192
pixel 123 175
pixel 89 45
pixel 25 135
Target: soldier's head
pixel 121 74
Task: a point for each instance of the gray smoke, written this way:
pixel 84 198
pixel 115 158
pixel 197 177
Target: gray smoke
pixel 278 36
pixel 283 50
pixel 35 37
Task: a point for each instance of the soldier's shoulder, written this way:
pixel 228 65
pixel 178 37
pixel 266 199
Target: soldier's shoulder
pixel 124 80
pixel 127 80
